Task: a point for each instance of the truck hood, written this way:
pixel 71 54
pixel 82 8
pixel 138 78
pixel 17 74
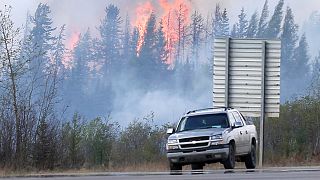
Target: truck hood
pixel 197 133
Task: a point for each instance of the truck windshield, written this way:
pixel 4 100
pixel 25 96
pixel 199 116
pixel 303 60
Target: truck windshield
pixel 203 122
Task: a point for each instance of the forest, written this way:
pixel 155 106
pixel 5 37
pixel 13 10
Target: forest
pixel 97 104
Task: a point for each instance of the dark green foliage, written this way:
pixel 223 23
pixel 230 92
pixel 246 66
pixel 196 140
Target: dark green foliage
pixel 225 24
pixel 294 137
pixel 243 24
pixel 197 31
pixel 289 40
pixel 45 146
pixel 274 27
pixel 110 39
pixel 263 22
pixel 300 61
pixel 253 26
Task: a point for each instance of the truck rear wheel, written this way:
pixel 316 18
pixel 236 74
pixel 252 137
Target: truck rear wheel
pixel 250 159
pixel 230 162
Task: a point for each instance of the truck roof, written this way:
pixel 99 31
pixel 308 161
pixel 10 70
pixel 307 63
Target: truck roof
pixel 213 110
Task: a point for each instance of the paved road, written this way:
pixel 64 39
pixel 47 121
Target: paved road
pixel 273 174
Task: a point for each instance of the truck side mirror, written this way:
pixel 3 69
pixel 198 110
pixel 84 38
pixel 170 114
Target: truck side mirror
pixel 170 131
pixel 237 125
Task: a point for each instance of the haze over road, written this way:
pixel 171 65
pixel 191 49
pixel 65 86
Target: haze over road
pixel 274 174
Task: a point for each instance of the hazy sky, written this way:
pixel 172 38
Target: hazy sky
pixel 81 14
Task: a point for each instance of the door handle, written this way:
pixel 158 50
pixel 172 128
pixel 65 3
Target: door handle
pixel 246 132
pixel 240 132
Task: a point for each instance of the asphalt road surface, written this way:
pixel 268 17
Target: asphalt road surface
pixel 272 173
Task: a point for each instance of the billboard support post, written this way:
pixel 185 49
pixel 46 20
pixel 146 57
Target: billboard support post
pixel 262 115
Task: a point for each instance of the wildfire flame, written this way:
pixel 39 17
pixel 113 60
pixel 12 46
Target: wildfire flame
pixel 168 12
pixel 143 13
pixel 70 45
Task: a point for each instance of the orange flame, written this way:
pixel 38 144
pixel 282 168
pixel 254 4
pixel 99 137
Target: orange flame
pixel 70 45
pixel 172 11
pixel 143 13
pixel 168 12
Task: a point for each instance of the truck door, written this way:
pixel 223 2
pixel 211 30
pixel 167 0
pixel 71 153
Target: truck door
pixel 236 134
pixel 245 140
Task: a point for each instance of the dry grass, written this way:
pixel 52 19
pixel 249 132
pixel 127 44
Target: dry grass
pixel 161 166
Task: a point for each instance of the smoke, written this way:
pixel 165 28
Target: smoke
pixel 131 103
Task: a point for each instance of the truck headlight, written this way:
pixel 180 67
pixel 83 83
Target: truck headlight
pixel 172 147
pixel 172 141
pixel 216 139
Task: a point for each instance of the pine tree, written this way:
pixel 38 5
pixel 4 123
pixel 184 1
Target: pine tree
pixel 197 28
pixel 243 24
pixel 217 22
pixel 274 27
pixel 263 22
pixel 300 68
pixel 161 55
pixel 225 24
pixel 147 54
pixel 253 26
pixel 126 55
pixel 42 145
pixel 59 50
pixel 289 40
pixel 316 68
pixel 41 39
pixel 110 32
pixel 234 31
pixel 181 31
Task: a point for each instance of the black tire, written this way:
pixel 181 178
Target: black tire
pixel 197 168
pixel 250 159
pixel 175 169
pixel 230 162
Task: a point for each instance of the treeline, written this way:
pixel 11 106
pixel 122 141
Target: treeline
pixel 293 139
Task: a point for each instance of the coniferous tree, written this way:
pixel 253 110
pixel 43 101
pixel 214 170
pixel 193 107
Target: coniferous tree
pixel 253 26
pixel 161 52
pixel 59 51
pixel 217 22
pixel 300 68
pixel 147 61
pixel 134 41
pixel 274 26
pixel 316 69
pixel 243 24
pixel 263 22
pixel 126 55
pixel 110 32
pixel 234 31
pixel 289 40
pixel 41 38
pixel 181 31
pixel 225 24
pixel 197 28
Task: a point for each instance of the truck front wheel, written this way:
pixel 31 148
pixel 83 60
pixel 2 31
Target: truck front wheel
pixel 230 162
pixel 175 169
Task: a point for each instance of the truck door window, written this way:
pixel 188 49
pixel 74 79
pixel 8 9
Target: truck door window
pixel 231 119
pixel 238 117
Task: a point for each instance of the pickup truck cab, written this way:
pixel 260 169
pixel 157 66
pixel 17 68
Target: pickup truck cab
pixel 212 135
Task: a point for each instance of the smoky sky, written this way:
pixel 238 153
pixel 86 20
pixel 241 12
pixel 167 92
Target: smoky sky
pixel 78 15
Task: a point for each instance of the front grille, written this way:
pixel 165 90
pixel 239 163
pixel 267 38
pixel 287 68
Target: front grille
pixel 194 145
pixel 201 138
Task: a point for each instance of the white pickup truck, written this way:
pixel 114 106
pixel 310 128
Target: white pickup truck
pixel 212 135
